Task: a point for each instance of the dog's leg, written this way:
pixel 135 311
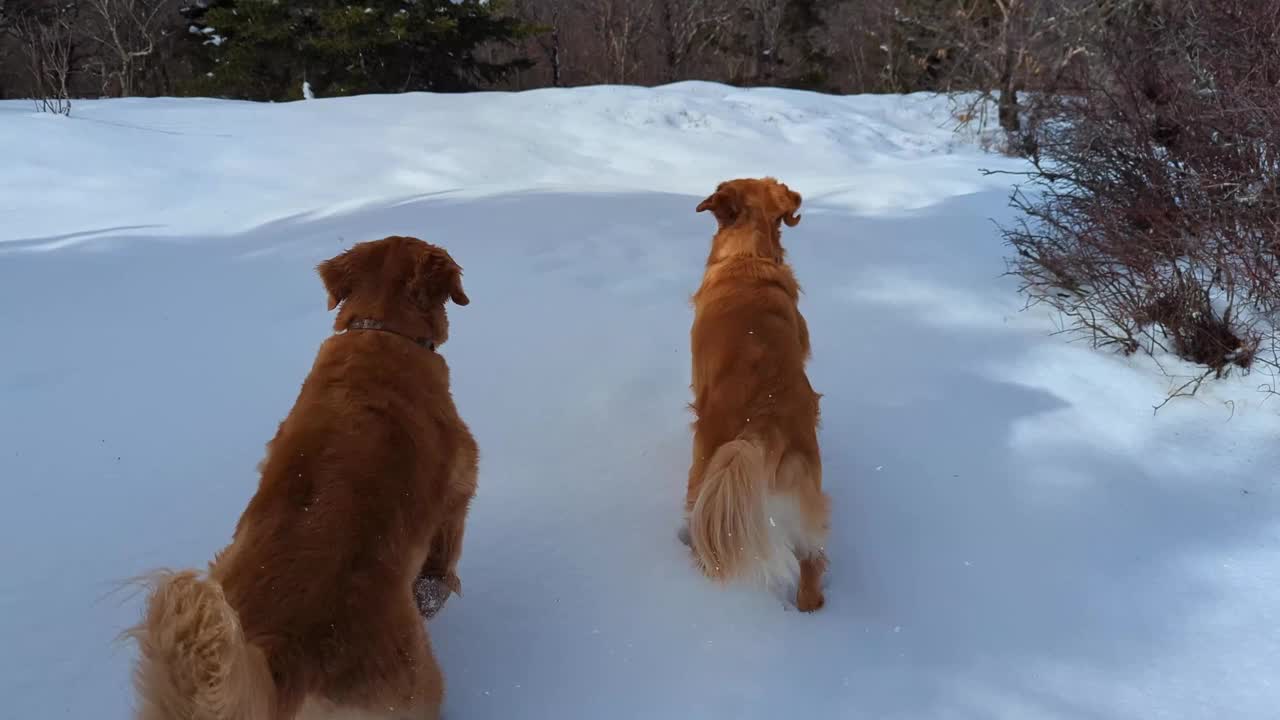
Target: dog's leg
pixel 813 558
pixel 446 549
pixel 441 566
pixel 438 578
pixel 802 475
pixel 809 595
pixel 697 468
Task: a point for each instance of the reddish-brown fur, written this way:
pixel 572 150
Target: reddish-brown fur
pixel 755 445
pixel 309 612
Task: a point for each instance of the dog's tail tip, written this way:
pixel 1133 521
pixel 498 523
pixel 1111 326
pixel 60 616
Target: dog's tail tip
pixel 193 659
pixel 728 528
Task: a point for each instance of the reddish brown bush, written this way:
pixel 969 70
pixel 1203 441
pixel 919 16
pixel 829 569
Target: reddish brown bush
pixel 1152 219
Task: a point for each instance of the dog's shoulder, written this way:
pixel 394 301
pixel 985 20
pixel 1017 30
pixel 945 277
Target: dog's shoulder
pixel 742 276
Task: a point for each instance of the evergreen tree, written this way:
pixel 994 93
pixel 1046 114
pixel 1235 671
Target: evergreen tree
pixel 266 49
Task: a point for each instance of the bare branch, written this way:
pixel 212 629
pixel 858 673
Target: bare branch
pixel 126 33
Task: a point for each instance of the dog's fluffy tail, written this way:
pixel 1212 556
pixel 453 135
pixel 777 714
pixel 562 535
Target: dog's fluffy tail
pixel 729 528
pixel 194 662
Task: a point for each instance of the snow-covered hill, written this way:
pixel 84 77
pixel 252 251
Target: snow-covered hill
pixel 1015 534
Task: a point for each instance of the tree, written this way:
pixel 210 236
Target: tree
pixel 46 33
pixel 549 16
pixel 998 48
pixel 620 29
pixel 759 39
pixel 126 32
pixel 689 27
pixel 266 50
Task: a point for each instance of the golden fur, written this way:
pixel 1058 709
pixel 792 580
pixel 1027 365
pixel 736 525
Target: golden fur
pixel 309 612
pixel 755 503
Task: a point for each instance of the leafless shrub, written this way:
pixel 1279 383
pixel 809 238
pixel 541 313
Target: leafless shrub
pixel 1153 220
pixel 46 37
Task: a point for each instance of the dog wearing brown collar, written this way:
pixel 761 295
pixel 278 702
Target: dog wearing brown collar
pixel 310 612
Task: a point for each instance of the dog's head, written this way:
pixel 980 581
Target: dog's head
pixel 763 203
pixel 752 199
pixel 402 282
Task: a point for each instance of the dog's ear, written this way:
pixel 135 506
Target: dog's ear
pixel 338 275
pixel 725 203
pixel 438 278
pixel 789 202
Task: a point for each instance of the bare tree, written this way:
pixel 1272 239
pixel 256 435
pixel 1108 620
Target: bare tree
pixel 621 26
pixel 851 35
pixel 998 48
pixel 126 32
pixel 689 27
pixel 552 46
pixel 1029 41
pixel 550 42
pixel 47 40
pixel 766 37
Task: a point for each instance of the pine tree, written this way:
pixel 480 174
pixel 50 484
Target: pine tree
pixel 266 49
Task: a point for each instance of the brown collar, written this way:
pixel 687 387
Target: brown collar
pixel 365 324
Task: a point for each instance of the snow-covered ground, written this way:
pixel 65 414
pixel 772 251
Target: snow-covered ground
pixel 1016 535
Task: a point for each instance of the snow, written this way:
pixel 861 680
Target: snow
pixel 1016 534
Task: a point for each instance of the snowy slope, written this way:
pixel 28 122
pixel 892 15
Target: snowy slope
pixel 1016 535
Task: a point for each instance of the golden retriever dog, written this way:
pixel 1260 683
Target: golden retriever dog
pixel 310 611
pixel 755 505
